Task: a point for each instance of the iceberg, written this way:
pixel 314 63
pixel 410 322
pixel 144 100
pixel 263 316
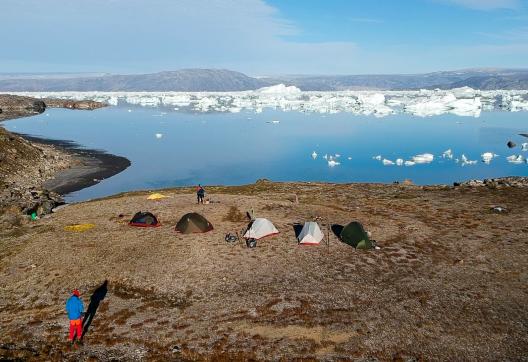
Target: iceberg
pixel 462 101
pixel 524 146
pixel 423 158
pixel 378 157
pixel 387 162
pixel 159 135
pixel 515 159
pixel 448 154
pixel 466 161
pixel 409 163
pixel 280 89
pixel 314 155
pixel 487 157
pixel 333 163
pixel 399 162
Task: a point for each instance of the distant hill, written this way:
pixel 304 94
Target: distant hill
pixel 475 78
pixel 192 80
pixel 195 80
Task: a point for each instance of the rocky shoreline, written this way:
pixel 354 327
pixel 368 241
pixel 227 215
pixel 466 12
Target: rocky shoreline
pixel 35 172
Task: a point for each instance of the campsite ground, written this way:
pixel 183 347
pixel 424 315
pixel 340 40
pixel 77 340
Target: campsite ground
pixel 450 281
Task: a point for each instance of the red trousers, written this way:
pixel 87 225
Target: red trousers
pixel 75 326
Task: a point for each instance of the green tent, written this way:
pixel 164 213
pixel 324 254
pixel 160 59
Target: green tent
pixel 353 234
pixel 193 223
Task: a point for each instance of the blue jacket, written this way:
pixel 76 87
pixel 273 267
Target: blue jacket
pixel 74 307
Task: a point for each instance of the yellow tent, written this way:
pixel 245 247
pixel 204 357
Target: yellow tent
pixel 156 197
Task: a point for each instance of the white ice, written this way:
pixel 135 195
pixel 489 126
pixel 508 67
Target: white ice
pixel 314 155
pixel 423 158
pixel 387 162
pixel 466 161
pixel 463 101
pixel 333 163
pixel 516 159
pixel 487 157
pixel 448 154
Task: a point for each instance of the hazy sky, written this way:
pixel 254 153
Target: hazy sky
pixel 262 37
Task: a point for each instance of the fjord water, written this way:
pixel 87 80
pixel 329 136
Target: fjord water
pixel 239 148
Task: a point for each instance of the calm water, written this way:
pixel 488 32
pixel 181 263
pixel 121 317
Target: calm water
pixel 227 148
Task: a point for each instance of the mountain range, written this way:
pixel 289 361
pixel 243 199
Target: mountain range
pixel 221 80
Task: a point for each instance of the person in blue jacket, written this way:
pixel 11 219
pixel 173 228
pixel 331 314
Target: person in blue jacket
pixel 75 310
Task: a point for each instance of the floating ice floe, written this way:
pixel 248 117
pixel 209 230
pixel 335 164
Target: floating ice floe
pixel 349 157
pixel 524 146
pixel 487 157
pixel 423 158
pixel 387 162
pixel 464 101
pixel 325 156
pixel 517 159
pixel 280 89
pixel 448 154
pixel 465 161
pixel 333 163
pixel 159 135
pixel 377 158
pixel 409 163
pixel 314 155
pixel 399 162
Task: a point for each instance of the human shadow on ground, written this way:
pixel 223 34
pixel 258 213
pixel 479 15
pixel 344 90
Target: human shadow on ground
pixel 98 295
pixel 336 229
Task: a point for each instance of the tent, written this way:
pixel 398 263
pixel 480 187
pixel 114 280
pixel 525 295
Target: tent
pixel 144 219
pixel 156 196
pixel 310 234
pixel 193 223
pixel 353 234
pixel 260 228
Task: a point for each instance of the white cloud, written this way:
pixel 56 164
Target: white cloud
pixel 486 4
pixel 136 35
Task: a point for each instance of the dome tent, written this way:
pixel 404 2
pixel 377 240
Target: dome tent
pixel 353 234
pixel 310 234
pixel 260 228
pixel 144 219
pixel 193 223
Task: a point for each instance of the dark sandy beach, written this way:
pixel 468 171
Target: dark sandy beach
pixel 91 166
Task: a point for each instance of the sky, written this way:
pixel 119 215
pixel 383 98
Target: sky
pixel 262 37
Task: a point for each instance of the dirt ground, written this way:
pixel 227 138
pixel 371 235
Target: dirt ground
pixel 450 281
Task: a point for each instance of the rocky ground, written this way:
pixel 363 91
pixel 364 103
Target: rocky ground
pixel 32 170
pixel 450 281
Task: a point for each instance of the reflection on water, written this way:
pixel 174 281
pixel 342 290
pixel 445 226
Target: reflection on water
pixel 176 148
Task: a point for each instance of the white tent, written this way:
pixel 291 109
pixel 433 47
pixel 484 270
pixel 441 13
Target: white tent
pixel 310 234
pixel 260 228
